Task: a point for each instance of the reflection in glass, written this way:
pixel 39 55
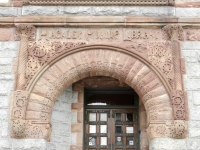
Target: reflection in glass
pixel 92 128
pixel 119 141
pixel 92 141
pixel 118 129
pixel 130 141
pixel 103 140
pixel 118 117
pixel 129 117
pixel 92 117
pixel 103 117
pixel 129 129
pixel 103 128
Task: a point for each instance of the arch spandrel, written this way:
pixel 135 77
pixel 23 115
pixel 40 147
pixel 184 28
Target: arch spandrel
pixel 151 82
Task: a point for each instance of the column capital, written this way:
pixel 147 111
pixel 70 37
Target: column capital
pixel 173 32
pixel 25 32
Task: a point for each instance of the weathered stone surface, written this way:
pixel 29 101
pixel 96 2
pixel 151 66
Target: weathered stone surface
pixel 5 144
pixel 3 114
pixel 29 144
pixel 187 12
pixel 194 124
pixel 157 11
pixel 4 130
pixel 195 113
pixel 74 10
pixel 168 144
pixel 196 97
pixel 40 10
pixel 194 133
pixel 6 87
pixel 99 10
pixel 193 144
pixel 192 84
pixel 4 102
pixel 107 10
pixel 10 11
pixel 190 45
pixel 193 70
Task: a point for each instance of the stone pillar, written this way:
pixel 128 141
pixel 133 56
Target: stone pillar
pixel 26 33
pixel 174 33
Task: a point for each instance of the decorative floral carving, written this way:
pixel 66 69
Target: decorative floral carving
pixel 30 129
pixel 173 32
pixel 160 55
pixel 177 129
pixel 25 32
pixel 20 99
pixel 193 35
pixel 40 52
pixel 178 103
pixel 172 129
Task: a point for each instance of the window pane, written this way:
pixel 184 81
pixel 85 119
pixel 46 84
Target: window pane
pixel 118 117
pixel 103 128
pixel 118 129
pixel 92 128
pixel 130 141
pixel 92 117
pixel 129 129
pixel 129 117
pixel 119 141
pixel 103 117
pixel 103 140
pixel 92 141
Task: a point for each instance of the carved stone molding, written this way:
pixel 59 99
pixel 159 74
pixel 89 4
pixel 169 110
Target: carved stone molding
pixel 99 2
pixel 173 32
pixel 172 129
pixel 139 59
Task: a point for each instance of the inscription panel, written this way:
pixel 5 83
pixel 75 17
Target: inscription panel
pixel 98 34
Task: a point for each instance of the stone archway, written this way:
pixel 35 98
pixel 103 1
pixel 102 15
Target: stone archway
pixel 155 75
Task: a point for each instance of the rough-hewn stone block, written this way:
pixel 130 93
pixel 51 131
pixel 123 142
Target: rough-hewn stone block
pixel 29 144
pixel 170 144
pixel 193 144
pixel 192 45
pixel 10 11
pixel 74 10
pixel 187 12
pixel 40 10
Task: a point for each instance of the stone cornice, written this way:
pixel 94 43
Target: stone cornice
pixel 122 21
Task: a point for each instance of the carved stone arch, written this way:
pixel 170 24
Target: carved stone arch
pixel 97 60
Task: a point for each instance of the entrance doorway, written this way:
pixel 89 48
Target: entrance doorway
pixel 111 119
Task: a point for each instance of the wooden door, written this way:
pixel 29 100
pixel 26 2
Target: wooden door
pixel 111 129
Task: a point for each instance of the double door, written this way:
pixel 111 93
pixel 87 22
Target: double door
pixel 111 129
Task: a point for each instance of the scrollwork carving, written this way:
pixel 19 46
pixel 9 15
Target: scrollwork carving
pixel 178 103
pixel 20 100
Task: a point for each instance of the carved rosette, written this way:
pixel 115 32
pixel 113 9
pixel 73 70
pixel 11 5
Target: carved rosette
pixel 173 32
pixel 172 129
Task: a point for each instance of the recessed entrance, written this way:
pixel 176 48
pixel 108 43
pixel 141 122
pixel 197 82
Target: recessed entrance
pixel 111 119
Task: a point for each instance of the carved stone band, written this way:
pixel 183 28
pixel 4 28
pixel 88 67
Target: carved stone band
pixel 99 2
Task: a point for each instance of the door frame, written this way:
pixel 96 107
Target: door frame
pixel 101 90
